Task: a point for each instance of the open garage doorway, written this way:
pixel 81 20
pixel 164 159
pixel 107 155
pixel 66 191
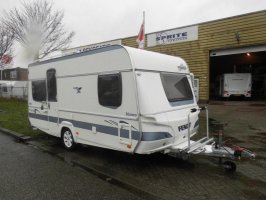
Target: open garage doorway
pixel 241 60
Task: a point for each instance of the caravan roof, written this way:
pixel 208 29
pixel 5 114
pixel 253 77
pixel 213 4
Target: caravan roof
pixel 119 57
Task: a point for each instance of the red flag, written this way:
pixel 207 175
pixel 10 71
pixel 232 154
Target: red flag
pixel 6 59
pixel 141 37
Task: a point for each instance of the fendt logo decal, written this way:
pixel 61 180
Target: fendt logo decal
pixel 183 127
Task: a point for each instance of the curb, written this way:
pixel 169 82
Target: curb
pixel 16 135
pixel 91 169
pixel 117 181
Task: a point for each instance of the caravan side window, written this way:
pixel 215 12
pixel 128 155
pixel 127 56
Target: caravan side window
pixel 38 90
pixel 110 90
pixel 51 85
pixel 176 87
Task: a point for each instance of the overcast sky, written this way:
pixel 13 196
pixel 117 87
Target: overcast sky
pixel 96 21
pixel 101 20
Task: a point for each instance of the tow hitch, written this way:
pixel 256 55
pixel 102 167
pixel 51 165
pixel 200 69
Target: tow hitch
pixel 211 147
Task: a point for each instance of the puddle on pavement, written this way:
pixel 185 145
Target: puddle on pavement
pixel 252 182
pixel 258 150
pixel 261 133
pixel 253 128
pixel 254 194
pixel 258 140
pixel 48 140
pixel 232 140
pixel 260 157
pixel 250 109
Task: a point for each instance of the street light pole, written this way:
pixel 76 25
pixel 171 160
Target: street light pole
pixel 1 64
pixel 1 68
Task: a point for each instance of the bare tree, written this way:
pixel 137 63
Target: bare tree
pixel 38 28
pixel 6 42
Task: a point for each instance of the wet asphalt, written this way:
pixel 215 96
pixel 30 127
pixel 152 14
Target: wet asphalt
pixel 28 173
pixel 42 169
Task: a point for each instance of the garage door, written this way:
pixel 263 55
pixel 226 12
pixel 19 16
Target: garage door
pixel 249 59
pixel 224 52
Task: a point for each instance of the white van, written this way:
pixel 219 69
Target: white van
pixel 114 97
pixel 236 84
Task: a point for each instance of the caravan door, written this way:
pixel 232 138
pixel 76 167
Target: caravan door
pixel 125 135
pixel 52 103
pixel 38 104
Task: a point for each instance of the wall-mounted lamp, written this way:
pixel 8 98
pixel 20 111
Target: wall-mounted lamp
pixel 248 54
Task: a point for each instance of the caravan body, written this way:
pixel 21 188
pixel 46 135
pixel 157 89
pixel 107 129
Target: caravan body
pixel 115 97
pixel 236 84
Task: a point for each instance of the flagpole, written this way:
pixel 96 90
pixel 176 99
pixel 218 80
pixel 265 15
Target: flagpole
pixel 144 28
pixel 141 36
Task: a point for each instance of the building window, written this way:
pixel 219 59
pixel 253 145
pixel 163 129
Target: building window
pixel 4 89
pixel 51 85
pixel 13 74
pixel 110 90
pixel 39 90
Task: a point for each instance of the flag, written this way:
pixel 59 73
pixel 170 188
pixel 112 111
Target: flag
pixel 141 37
pixel 6 59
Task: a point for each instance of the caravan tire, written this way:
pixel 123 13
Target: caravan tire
pixel 67 139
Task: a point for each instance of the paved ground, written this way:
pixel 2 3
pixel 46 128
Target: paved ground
pixel 170 178
pixel 27 173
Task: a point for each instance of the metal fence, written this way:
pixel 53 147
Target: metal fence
pixel 14 92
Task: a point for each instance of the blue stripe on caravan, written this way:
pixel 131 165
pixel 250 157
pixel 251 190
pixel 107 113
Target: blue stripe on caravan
pixel 38 116
pixel 79 124
pixel 135 135
pixel 103 129
pixel 151 136
pixel 124 133
pixel 53 119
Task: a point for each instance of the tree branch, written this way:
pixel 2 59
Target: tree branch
pixel 38 27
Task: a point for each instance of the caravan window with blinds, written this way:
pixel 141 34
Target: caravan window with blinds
pixel 51 85
pixel 38 90
pixel 110 90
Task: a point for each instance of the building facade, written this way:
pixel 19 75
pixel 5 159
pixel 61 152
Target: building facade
pixel 229 45
pixel 230 36
pixel 15 74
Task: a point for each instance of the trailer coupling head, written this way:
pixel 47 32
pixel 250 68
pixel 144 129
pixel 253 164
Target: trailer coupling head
pixel 240 152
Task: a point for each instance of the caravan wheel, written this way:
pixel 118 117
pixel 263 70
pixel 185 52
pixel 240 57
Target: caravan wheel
pixel 67 139
pixel 229 166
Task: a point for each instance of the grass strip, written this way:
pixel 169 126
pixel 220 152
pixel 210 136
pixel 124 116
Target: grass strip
pixel 14 116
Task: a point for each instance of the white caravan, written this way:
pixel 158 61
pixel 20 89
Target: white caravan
pixel 118 98
pixel 236 84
